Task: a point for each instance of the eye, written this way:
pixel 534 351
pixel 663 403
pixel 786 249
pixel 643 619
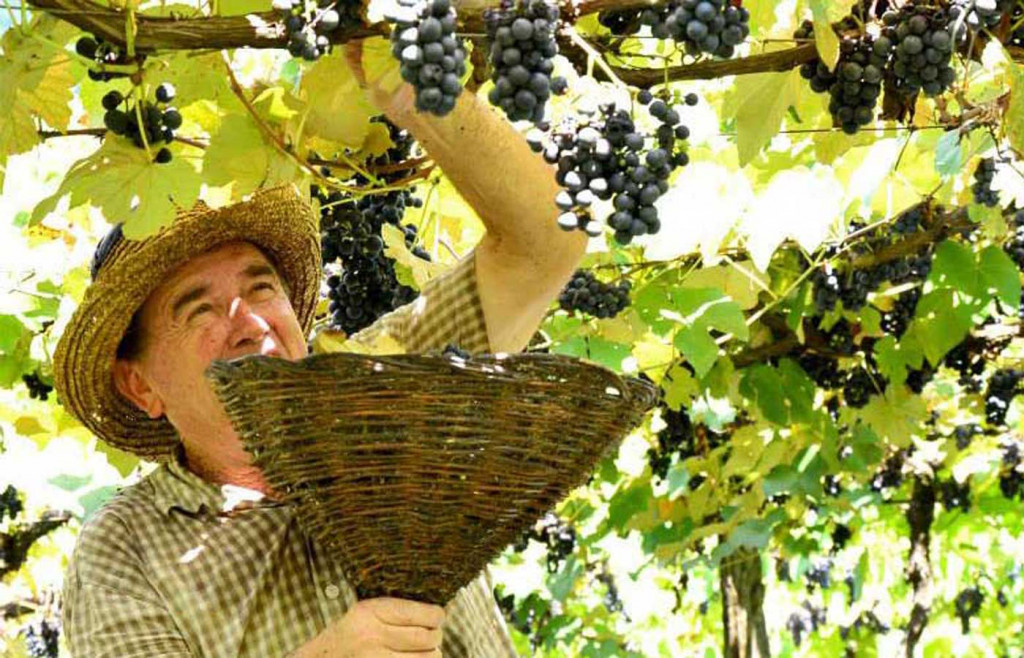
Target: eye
pixel 202 308
pixel 264 285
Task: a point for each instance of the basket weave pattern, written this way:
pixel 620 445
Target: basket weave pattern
pixel 415 471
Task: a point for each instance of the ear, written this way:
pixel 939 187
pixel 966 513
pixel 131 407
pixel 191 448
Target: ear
pixel 132 384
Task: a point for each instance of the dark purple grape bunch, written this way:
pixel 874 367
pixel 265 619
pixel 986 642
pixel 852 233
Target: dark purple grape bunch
pixel 1017 21
pixel 979 14
pixel 585 293
pixel 42 641
pixel 158 120
pixel 815 71
pixel 559 538
pixel 607 157
pixel 968 604
pixel 103 53
pixel 1003 386
pixel 1014 247
pixel 37 388
pixel 858 84
pixel 309 23
pixel 523 48
pixel 984 174
pixel 432 58
pixel 922 47
pixel 10 503
pixel 713 27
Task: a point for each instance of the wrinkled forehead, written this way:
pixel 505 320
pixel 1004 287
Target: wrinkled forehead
pixel 218 261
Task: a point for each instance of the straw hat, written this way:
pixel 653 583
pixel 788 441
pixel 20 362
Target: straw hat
pixel 279 220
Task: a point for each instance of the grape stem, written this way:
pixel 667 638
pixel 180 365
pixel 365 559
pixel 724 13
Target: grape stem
pixel 593 55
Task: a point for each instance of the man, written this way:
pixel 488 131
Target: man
pixel 199 559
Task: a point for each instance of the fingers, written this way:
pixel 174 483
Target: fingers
pixel 406 639
pixel 402 612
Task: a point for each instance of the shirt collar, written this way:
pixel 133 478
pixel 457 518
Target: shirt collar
pixel 176 487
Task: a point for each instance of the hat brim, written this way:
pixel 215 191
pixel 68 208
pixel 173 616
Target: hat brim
pixel 278 220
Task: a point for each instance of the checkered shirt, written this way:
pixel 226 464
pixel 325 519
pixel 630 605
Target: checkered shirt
pixel 164 569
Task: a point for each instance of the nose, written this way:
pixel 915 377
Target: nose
pixel 246 326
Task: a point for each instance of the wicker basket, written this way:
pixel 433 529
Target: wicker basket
pixel 416 471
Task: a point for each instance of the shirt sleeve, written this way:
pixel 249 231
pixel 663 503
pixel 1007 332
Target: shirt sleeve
pixel 109 608
pixel 448 311
pixel 475 627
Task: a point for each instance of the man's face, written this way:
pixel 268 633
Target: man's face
pixel 222 304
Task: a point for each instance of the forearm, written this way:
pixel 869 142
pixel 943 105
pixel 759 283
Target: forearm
pixel 509 186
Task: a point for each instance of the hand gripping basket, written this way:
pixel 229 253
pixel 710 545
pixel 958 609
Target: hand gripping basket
pixel 416 471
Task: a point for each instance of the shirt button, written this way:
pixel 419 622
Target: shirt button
pixel 332 591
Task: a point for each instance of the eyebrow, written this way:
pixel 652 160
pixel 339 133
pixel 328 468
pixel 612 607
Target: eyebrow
pixel 252 271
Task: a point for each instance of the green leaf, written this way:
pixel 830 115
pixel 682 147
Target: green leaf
pixel 338 109
pixel 762 102
pixel 627 503
pixel 70 482
pixel 237 155
pixel 1000 274
pixel 949 154
pixel 120 180
pixel 784 395
pixel 680 387
pixel 1013 118
pixel 698 311
pixel 896 416
pixel 940 322
pixel 825 39
pixel 35 82
pixel 955 266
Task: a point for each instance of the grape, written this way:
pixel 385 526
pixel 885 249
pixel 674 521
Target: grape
pixel 982 187
pixel 103 53
pixel 557 536
pixel 308 24
pixel 968 604
pixel 165 93
pixel 923 49
pixel 823 370
pixel 366 287
pixel 841 534
pixel 607 158
pixel 157 125
pixel 42 641
pixel 586 294
pixel 857 83
pixel 707 26
pixel 891 473
pixel 521 59
pixel 896 321
pixel 112 99
pixel 955 495
pixel 37 388
pixel 819 575
pixel 860 386
pixel 432 57
pixel 10 503
pixel 970 366
pixel 1011 479
pixel 1002 388
pixel 965 433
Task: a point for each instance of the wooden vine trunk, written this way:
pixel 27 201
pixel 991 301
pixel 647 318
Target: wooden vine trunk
pixel 919 568
pixel 742 582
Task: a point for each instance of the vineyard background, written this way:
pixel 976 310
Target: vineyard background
pixel 819 480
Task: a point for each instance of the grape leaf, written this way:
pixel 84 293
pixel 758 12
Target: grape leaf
pixel 120 180
pixel 1013 120
pixel 949 154
pixel 1000 274
pixel 784 395
pixel 411 269
pixel 237 155
pixel 700 310
pixel 896 416
pixel 825 39
pixel 680 387
pixel 955 266
pixel 762 101
pixel 338 109
pixel 35 82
